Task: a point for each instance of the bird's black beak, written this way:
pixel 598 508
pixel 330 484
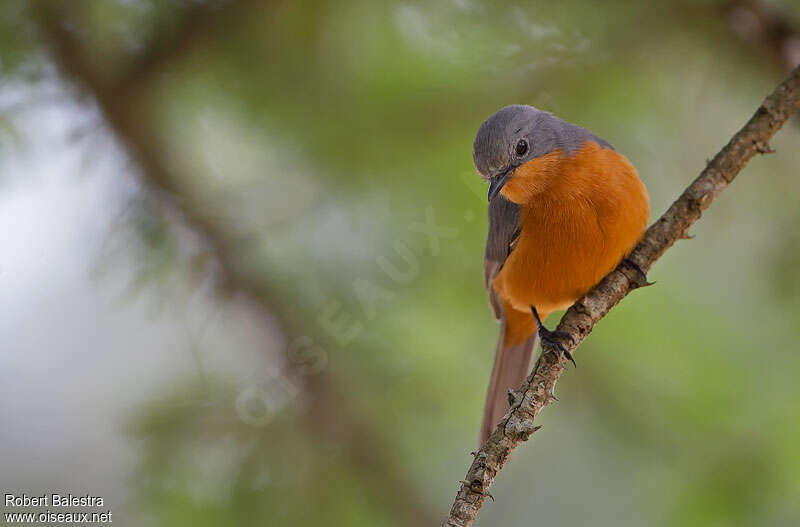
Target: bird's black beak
pixel 497 182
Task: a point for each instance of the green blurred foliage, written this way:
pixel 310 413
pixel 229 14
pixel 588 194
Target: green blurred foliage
pixel 321 134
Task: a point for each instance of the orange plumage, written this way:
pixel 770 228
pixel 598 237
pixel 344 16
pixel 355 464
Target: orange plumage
pixel 580 216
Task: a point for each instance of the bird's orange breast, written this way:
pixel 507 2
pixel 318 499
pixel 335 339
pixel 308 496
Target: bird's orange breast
pixel 580 215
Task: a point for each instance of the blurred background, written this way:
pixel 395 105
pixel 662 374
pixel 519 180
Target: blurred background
pixel 241 261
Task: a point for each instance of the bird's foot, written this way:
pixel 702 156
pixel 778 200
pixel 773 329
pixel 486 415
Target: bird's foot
pixel 552 338
pixel 642 279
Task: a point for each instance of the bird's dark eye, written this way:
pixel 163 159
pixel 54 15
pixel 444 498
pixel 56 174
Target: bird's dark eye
pixel 522 147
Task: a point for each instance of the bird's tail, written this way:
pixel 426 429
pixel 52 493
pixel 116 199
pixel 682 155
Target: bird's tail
pixel 512 362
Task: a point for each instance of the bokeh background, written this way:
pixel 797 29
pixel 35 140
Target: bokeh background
pixel 241 248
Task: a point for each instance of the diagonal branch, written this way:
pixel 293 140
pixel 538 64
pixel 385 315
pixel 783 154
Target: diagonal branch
pixel 764 25
pixel 194 26
pixel 537 390
pixel 125 110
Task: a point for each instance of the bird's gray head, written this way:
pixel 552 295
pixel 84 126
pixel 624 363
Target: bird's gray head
pixel 515 135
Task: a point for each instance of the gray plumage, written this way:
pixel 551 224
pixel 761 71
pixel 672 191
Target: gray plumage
pixel 493 151
pixel 503 232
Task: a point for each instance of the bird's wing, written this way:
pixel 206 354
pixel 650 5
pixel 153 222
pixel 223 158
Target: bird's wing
pixel 504 230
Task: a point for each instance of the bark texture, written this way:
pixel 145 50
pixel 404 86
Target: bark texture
pixel 537 391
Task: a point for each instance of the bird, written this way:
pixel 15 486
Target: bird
pixel 565 208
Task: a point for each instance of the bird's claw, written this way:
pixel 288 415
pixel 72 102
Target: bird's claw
pixel 553 338
pixel 642 282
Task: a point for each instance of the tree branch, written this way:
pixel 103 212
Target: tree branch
pixel 126 112
pixel 765 26
pixel 194 27
pixel 537 390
